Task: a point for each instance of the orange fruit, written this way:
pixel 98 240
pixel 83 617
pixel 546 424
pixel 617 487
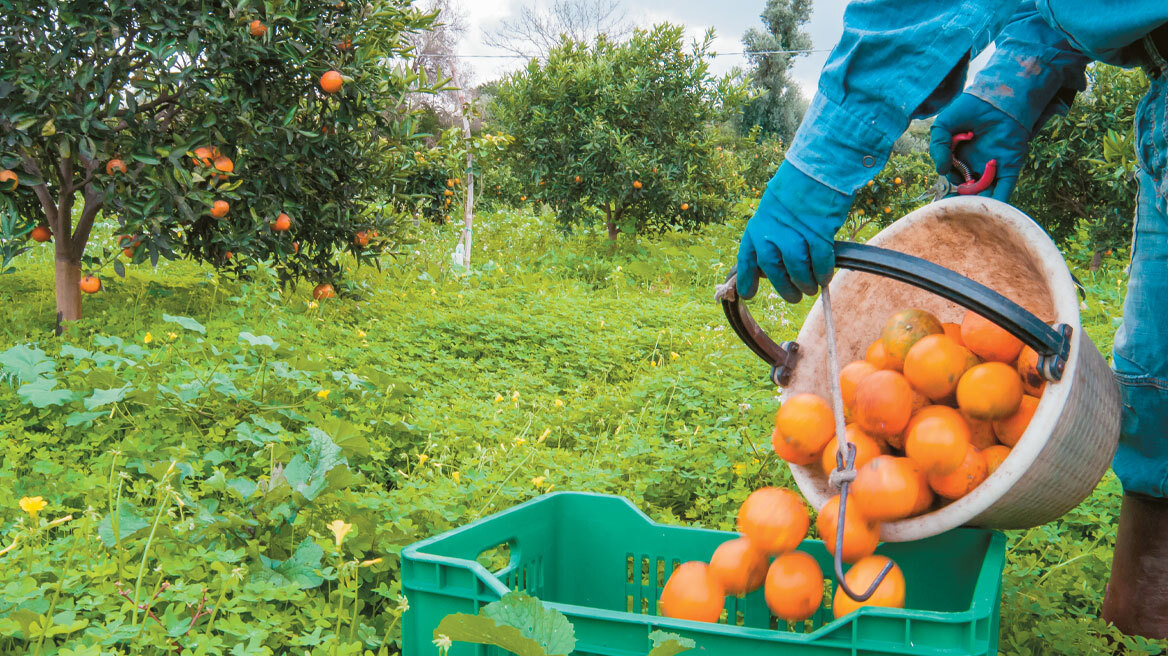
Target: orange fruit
pixel 345 44
pixel 806 423
pixel 924 492
pixel 223 163
pixel 794 586
pixel 876 355
pixel 323 291
pixel 282 223
pixel 692 593
pixel 738 566
pixel 994 456
pixel 850 377
pixel 859 577
pixel 331 82
pixel 1010 429
pixel 884 403
pixel 41 233
pixel 113 165
pixel 866 449
pixel 295 247
pixel 788 450
pixel 988 340
pixel 637 184
pixel 203 156
pixel 90 285
pixel 981 432
pixel 1032 381
pixel 8 175
pixel 257 28
pixel 953 332
pixel 937 443
pixel 962 480
pixel 903 330
pixel 885 489
pixel 684 206
pixel 361 239
pixel 774 519
pixel 934 365
pixel 861 535
pixel 991 390
pixel 219 209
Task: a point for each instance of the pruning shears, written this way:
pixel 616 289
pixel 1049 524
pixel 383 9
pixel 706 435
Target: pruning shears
pixel 943 187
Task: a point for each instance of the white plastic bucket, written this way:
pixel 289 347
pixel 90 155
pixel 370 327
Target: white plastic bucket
pixel 1072 437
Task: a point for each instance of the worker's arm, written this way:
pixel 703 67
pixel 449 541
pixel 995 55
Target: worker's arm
pixel 1105 29
pixel 1034 72
pixel 897 59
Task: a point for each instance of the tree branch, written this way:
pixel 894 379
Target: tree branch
pixel 42 190
pixel 164 99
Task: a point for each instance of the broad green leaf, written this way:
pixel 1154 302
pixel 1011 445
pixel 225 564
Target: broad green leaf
pixel 104 397
pixel 82 418
pixel 261 340
pixel 300 570
pixel 306 471
pixel 129 523
pixel 185 322
pixel 669 644
pixel 517 623
pixel 27 364
pixel 41 394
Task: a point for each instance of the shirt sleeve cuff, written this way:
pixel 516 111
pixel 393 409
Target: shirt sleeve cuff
pixel 1022 83
pixel 840 147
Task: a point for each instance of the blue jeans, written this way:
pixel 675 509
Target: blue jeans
pixel 1141 345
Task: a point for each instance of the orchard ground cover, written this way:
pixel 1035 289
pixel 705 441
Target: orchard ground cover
pixel 245 464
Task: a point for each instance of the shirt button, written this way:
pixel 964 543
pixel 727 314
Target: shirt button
pixel 869 161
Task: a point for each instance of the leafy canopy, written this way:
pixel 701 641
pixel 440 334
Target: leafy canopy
pixel 624 131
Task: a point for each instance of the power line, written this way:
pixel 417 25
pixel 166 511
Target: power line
pixel 717 54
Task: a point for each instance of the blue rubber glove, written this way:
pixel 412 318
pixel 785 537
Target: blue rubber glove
pixel 995 136
pixel 790 237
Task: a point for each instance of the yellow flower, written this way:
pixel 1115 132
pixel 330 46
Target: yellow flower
pixel 323 394
pixel 433 292
pixel 514 396
pixel 32 505
pixel 148 338
pixel 602 323
pixel 498 397
pixel 340 529
pixel 739 468
pixel 312 304
pixel 171 336
pixel 367 563
pixel 673 355
pixel 422 458
pixel 559 403
pixel 360 333
pixel 520 441
pixel 652 363
pixel 456 476
pixel 538 481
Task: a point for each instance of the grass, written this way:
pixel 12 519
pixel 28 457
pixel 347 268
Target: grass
pixel 558 363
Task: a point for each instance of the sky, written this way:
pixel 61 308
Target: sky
pixel 729 19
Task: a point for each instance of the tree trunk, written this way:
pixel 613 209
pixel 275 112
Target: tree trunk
pixel 468 207
pixel 68 273
pixel 613 231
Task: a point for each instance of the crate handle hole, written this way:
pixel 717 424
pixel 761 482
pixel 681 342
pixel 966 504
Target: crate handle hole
pixel 499 557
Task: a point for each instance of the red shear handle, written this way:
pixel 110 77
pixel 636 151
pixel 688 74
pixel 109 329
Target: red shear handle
pixel 971 186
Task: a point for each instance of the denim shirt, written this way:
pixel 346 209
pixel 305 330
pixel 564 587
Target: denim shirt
pixel 904 59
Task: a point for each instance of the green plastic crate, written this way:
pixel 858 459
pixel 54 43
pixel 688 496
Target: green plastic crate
pixel 602 562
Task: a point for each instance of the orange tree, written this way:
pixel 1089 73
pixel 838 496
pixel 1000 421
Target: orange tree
pixel 623 133
pixel 195 125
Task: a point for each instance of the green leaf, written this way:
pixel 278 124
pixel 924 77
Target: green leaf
pixel 669 644
pixel 185 322
pixel 306 472
pixel 82 418
pixel 103 397
pixel 27 364
pixel 300 570
pixel 261 340
pixel 41 394
pixel 129 523
pixel 518 623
